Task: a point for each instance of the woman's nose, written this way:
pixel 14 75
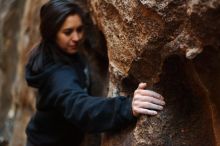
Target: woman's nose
pixel 75 37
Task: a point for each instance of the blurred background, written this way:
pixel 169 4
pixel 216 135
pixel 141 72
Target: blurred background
pixel 18 33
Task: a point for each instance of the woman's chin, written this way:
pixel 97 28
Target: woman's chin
pixel 72 51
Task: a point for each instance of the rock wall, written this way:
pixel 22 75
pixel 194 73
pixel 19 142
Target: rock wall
pixel 173 45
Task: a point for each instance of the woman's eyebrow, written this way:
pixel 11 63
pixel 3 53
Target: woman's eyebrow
pixel 67 29
pixel 80 26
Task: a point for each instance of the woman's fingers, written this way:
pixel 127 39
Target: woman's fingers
pixel 151 106
pixel 146 101
pixel 150 99
pixel 145 111
pixel 150 93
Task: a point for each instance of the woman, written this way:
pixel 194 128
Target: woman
pixel 64 109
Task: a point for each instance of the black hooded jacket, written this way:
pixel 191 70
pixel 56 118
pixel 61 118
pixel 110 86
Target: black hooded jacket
pixel 64 109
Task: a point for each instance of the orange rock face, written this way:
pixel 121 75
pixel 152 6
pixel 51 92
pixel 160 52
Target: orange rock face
pixel 174 47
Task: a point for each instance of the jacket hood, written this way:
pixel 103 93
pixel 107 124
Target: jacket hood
pixel 36 79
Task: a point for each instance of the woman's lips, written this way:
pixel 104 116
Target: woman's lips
pixel 73 46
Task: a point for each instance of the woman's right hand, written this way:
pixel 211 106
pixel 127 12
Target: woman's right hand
pixel 146 102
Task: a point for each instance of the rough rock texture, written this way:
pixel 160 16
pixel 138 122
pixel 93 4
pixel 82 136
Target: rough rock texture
pixel 173 45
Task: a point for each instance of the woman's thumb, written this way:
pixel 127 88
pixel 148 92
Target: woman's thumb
pixel 142 85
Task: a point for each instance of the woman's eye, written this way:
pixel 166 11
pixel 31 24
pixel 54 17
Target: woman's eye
pixel 68 32
pixel 79 29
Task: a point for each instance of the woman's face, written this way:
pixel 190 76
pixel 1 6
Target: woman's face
pixel 70 34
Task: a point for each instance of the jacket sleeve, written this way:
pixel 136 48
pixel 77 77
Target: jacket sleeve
pixel 91 114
